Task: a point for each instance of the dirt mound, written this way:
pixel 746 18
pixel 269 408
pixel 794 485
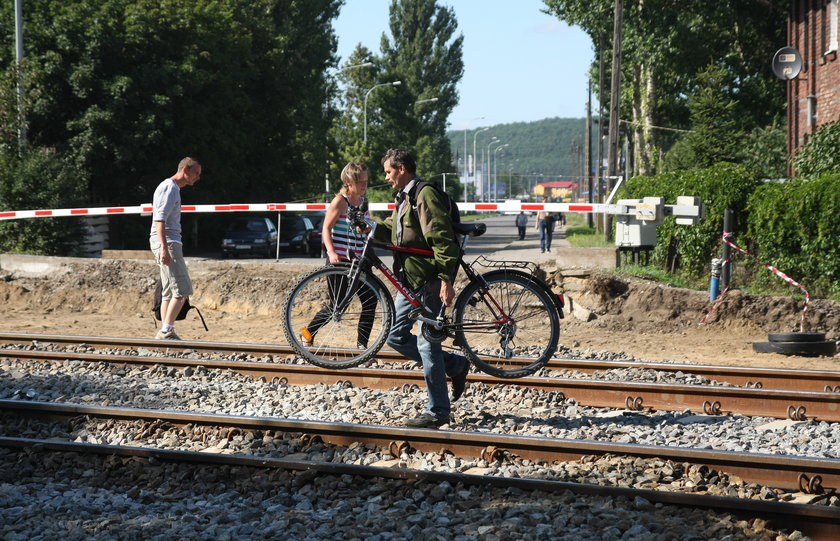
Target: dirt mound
pixel 242 302
pixel 126 286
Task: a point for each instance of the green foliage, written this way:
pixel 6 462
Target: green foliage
pixel 714 135
pixel 802 241
pixel 765 151
pixel 721 186
pixel 820 153
pixel 665 44
pixel 36 180
pixel 424 53
pixel 586 237
pixel 126 88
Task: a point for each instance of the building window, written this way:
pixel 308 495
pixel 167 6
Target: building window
pixel 832 26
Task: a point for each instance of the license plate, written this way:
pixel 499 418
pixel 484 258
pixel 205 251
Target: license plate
pixel 243 247
pixel 283 244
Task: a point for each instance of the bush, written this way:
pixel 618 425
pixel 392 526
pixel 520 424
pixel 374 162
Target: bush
pixel 819 155
pixel 722 186
pixel 40 179
pixel 793 226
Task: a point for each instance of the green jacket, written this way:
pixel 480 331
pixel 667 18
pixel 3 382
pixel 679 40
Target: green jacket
pixel 429 228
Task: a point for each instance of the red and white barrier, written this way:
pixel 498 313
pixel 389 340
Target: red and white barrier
pixel 512 206
pixel 774 270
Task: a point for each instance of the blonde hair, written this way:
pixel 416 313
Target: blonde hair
pixel 352 172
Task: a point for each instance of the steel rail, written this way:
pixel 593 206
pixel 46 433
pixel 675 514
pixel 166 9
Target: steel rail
pixel 775 378
pixel 637 396
pixel 819 475
pixel 818 523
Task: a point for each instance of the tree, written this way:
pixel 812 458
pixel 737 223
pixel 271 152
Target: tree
pixel 128 87
pixel 425 54
pixel 714 135
pixel 665 44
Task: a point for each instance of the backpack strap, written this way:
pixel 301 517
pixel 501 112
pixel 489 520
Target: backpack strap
pixel 200 317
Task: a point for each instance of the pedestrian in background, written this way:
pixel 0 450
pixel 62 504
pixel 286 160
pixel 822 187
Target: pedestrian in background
pixel 167 246
pixel 545 225
pixel 521 223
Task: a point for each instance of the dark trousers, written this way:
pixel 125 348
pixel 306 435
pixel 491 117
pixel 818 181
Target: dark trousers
pixel 337 286
pixel 521 232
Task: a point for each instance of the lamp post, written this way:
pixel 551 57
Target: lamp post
pixel 475 158
pixel 495 174
pixel 429 100
pixel 394 83
pixel 486 193
pixel 444 178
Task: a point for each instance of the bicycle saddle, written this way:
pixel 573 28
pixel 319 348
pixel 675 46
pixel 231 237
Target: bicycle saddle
pixel 474 229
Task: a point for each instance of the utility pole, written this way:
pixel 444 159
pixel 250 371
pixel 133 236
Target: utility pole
pixel 588 151
pixel 19 58
pixel 615 87
pixel 600 173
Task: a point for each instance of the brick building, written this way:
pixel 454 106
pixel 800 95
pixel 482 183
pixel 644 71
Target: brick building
pixel 813 97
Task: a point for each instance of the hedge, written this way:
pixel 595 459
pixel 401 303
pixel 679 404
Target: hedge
pixel 795 226
pixel 722 186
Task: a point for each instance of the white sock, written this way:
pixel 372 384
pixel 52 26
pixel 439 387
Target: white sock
pixel 167 327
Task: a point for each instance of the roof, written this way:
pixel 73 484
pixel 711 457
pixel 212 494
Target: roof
pixel 558 184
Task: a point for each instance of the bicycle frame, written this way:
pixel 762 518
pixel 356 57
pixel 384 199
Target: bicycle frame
pixel 369 259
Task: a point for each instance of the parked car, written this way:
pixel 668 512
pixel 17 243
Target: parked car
pixel 298 233
pixel 317 234
pixel 250 236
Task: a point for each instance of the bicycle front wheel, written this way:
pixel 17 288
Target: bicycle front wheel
pixel 332 326
pixel 510 328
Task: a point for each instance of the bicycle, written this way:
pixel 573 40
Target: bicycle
pixel 506 321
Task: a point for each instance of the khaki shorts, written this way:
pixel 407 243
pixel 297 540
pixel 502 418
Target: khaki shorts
pixel 174 278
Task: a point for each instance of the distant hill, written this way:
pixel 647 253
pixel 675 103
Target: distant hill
pixel 545 147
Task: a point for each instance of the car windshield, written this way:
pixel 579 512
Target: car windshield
pixel 254 226
pixel 290 223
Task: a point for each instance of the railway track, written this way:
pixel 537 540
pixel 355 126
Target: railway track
pixel 816 479
pixel 755 400
pixel 770 378
pixel 815 476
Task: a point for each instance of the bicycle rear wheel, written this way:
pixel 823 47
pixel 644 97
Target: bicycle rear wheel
pixel 345 328
pixel 510 329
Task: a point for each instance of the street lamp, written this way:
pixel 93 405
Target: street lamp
pixel 495 174
pixel 475 159
pixel 429 100
pixel 395 83
pixel 486 193
pixel 444 178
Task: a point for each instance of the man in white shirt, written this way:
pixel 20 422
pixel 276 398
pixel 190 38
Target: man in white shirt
pixel 165 242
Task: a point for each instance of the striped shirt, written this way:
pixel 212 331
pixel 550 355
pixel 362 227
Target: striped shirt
pixel 343 236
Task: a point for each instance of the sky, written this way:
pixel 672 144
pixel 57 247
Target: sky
pixel 520 65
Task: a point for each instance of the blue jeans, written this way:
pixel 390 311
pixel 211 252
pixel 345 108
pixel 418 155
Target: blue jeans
pixel 546 231
pixel 437 364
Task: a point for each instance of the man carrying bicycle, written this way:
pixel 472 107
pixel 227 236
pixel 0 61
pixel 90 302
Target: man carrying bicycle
pixel 422 220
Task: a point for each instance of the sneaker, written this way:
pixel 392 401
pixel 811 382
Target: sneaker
pixel 426 420
pixel 542 251
pixel 459 382
pixel 170 335
pixel 306 338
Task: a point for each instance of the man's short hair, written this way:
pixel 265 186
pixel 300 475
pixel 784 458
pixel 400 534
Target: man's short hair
pixel 188 163
pixel 397 156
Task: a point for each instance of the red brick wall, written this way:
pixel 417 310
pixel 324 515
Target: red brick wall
pixel 814 95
